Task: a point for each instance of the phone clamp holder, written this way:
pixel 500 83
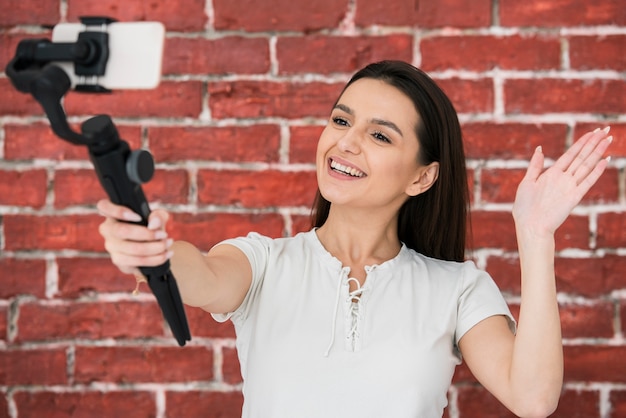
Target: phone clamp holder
pixel 120 170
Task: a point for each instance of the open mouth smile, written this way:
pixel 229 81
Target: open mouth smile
pixel 350 171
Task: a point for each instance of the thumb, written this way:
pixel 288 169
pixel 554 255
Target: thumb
pixel 535 166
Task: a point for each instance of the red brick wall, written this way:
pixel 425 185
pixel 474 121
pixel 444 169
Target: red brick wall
pixel 247 86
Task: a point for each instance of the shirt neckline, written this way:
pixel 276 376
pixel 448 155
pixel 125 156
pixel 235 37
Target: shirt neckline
pixel 319 248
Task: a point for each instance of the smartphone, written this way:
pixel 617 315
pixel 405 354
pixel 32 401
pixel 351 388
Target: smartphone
pixel 135 54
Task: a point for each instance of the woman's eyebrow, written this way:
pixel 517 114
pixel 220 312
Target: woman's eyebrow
pixel 375 121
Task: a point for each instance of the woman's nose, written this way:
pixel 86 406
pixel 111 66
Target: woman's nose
pixel 349 142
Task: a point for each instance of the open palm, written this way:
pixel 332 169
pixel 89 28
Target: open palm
pixel 546 198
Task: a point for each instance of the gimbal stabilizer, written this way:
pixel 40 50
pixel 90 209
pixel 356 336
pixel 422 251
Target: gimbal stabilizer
pixel 120 170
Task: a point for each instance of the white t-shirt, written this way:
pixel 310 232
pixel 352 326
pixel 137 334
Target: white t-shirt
pixel 307 349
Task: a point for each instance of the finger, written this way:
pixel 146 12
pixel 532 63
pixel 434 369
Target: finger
pixel 110 209
pixel 113 229
pixel 589 149
pixel 158 219
pixel 133 254
pixel 586 183
pixel 127 263
pixel 535 166
pixel 566 160
pixel 592 160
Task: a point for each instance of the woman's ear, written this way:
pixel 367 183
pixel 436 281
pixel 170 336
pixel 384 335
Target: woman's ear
pixel 426 177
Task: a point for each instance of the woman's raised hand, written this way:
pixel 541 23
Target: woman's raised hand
pixel 133 245
pixel 546 198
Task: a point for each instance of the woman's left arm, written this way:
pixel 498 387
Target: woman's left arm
pixel 525 371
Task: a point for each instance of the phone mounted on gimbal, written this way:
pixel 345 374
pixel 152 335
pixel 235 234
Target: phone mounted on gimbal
pixel 95 56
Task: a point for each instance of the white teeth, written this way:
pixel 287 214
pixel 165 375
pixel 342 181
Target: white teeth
pixel 344 169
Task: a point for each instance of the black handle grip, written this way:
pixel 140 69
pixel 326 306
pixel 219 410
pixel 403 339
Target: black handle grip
pixel 116 167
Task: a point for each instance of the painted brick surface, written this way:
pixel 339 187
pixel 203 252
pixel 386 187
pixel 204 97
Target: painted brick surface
pixel 246 90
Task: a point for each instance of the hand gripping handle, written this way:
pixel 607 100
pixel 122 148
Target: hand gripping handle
pixel 121 172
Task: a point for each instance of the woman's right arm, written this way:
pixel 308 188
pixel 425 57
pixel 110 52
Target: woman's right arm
pixel 216 282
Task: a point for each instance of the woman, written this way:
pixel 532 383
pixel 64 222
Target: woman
pixel 368 314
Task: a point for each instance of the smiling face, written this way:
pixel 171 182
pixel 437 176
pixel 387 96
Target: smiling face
pixel 367 155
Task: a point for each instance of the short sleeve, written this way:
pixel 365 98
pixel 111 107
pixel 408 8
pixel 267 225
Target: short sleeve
pixel 480 298
pixel 256 248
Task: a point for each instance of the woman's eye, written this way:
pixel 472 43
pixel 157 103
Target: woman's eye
pixel 340 121
pixel 381 137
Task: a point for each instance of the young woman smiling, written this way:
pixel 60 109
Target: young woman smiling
pixel 369 312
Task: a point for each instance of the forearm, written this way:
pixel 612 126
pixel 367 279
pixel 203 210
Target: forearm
pixel 216 282
pixel 537 362
pixel 194 278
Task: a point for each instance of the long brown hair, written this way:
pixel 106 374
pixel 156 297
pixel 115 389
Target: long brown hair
pixel 434 223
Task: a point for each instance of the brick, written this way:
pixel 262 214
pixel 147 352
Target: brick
pixel 256 189
pixel 30 12
pixel 497 230
pixel 425 14
pixel 605 190
pixel 4 324
pixel 622 310
pixel 81 187
pixel 590 277
pixel 27 142
pixel 193 403
pixel 278 15
pixel 488 140
pixel 16 103
pixel 16 367
pixel 135 403
pixel 506 273
pixel 202 325
pixel 544 13
pixel 231 368
pixel 611 229
pixel 24 277
pixel 303 143
pixel 476 401
pixel 500 185
pixel 168 186
pixel 182 15
pixel 29 232
pixel 256 143
pixel 92 321
pixel 300 224
pixel 143 364
pixel 326 55
pixel 257 99
pixel 80 276
pixel 493 230
pixel 578 403
pixel 587 321
pixel 617 400
pixel 228 55
pixel 545 95
pixel 171 99
pixel 4 406
pixel 595 363
pixel 469 96
pixel 76 187
pixel 597 52
pixel 207 229
pixel 484 53
pixel 23 188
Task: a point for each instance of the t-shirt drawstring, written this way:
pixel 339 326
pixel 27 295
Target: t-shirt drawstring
pixel 354 298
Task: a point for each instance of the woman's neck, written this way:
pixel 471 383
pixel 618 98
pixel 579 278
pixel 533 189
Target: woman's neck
pixel 360 239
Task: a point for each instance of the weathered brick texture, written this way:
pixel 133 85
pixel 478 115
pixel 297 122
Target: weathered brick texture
pixel 247 87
